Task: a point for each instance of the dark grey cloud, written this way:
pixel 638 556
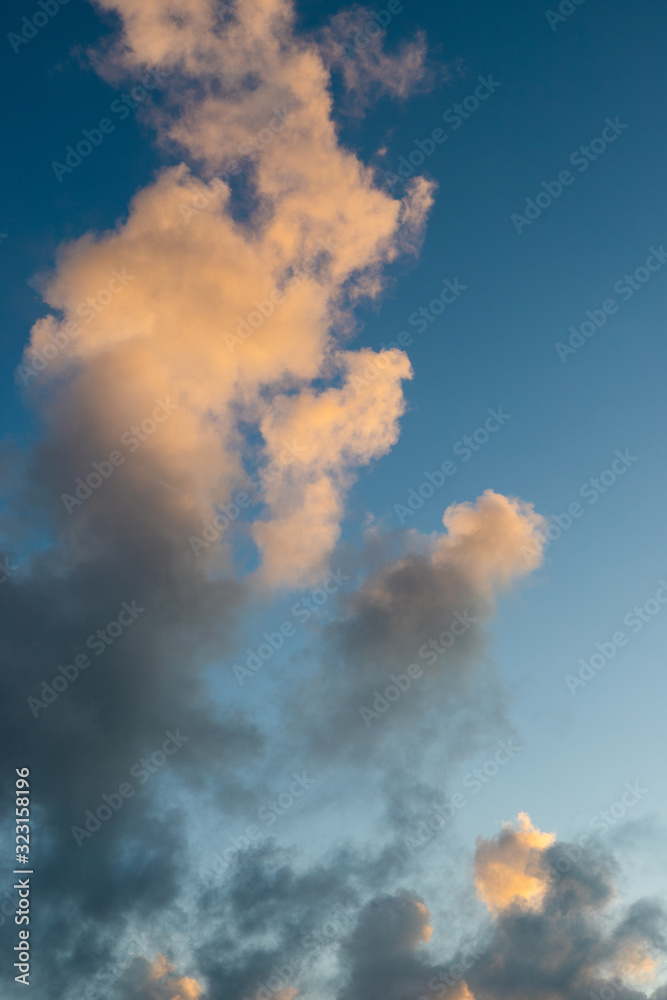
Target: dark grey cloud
pixel 122 558
pixel 406 658
pixel 574 946
pixel 577 943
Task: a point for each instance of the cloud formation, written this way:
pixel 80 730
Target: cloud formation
pixel 353 44
pixel 219 351
pixel 152 416
pixel 421 614
pixel 158 980
pixel 560 934
pixel 507 869
pixel 566 941
pixel 253 275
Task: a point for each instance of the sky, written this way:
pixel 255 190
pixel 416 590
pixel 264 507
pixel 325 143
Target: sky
pixel 332 592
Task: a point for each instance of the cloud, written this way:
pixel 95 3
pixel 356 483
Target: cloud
pixel 633 962
pixel 157 980
pixel 507 869
pixel 225 304
pixel 425 604
pixel 152 415
pixel 565 942
pixel 336 430
pixel 560 935
pixel 572 942
pixel 234 320
pixel 353 44
pixel 276 919
pixel 382 952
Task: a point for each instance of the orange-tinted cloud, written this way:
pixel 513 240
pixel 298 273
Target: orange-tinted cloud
pixel 158 980
pixel 633 962
pixel 335 430
pixel 288 993
pixel 353 43
pixel 237 322
pixel 507 867
pixel 496 539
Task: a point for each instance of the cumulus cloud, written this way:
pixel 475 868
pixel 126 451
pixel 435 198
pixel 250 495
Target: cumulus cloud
pixel 383 951
pixel 567 941
pixel 235 320
pixel 157 980
pixel 558 931
pixel 336 430
pixel 507 868
pixel 422 613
